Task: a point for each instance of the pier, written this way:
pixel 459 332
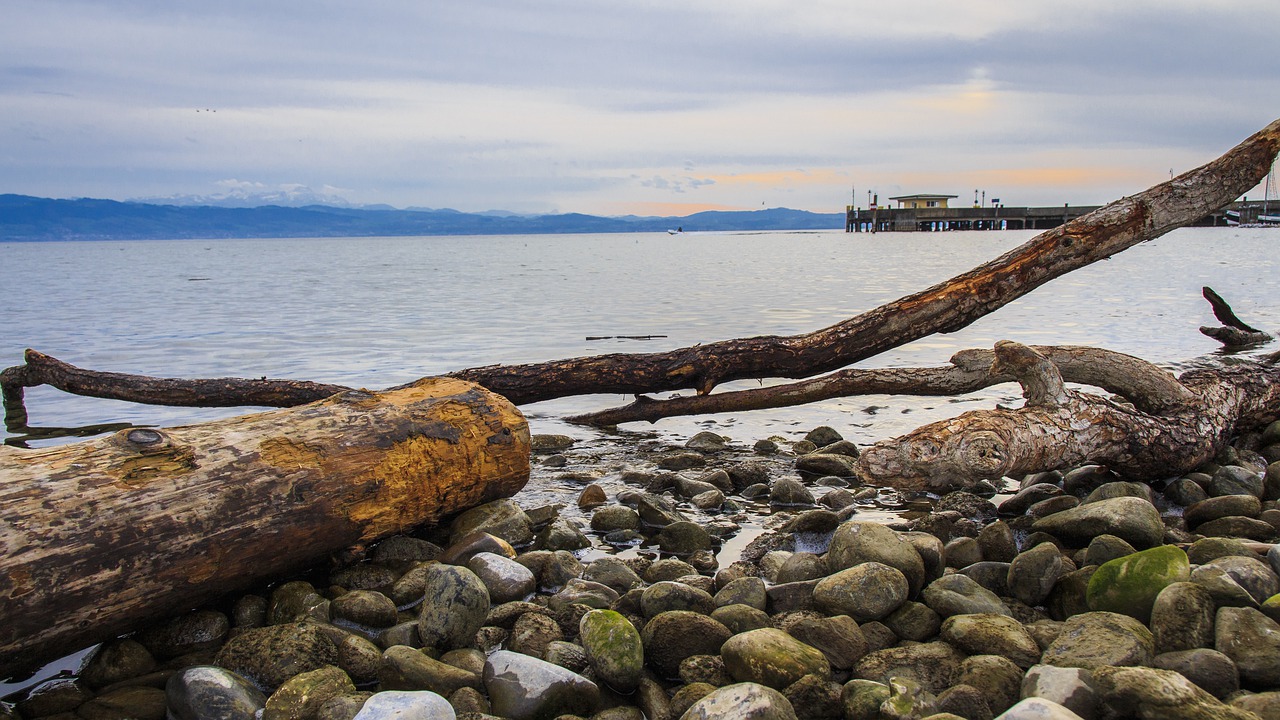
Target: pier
pixel 937 219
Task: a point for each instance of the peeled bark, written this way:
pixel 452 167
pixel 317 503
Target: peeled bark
pixel 1061 428
pixel 100 536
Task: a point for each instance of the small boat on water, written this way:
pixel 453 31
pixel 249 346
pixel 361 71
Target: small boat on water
pixel 677 231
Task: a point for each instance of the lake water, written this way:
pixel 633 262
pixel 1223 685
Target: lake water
pixel 376 312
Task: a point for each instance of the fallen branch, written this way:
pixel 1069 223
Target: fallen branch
pixel 1142 383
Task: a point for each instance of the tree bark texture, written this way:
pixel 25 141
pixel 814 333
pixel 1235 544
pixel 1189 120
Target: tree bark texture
pixel 100 536
pixel 1061 428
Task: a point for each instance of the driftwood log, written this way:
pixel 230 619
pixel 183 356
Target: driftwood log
pixel 99 536
pixel 1166 429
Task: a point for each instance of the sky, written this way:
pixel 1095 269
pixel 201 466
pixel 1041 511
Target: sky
pixel 649 107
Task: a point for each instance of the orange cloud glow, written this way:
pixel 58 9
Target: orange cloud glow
pixel 663 209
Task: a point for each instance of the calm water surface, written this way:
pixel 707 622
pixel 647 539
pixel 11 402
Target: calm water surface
pixel 376 312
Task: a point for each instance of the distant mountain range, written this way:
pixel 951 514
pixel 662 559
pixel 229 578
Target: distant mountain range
pixel 24 218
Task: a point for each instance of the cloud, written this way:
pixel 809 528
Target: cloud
pixel 569 105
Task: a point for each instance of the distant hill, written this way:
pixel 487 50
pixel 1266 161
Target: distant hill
pixel 24 218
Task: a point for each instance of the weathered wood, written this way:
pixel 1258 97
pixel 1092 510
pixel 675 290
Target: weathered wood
pixel 41 369
pixel 1060 428
pixel 1235 334
pixel 99 536
pixel 1140 382
pixel 945 307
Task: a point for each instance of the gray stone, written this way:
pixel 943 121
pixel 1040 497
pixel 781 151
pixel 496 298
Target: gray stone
pixel 406 668
pixel 1182 618
pixel 532 633
pixel 857 542
pixel 1132 519
pixel 669 595
pixel 368 608
pixel 683 538
pixel 271 655
pixel 1033 573
pixel 1028 496
pixel 706 442
pixel 116 660
pixel 997 542
pixel 613 572
pixel 455 603
pixel 1250 573
pixel 583 592
pixel 526 688
pixel 610 518
pixel 819 463
pixel 1094 639
pixel 1236 480
pixel 823 435
pixel 205 692
pixel 504 578
pixel 1237 526
pixel 1252 641
pixel 934 665
pixel 1068 687
pixel 992 634
pixel 673 636
pixel 1184 492
pixel 1206 549
pixel 406 705
pixel 1211 670
pixel 1151 693
pixel 1037 708
pixel 743 591
pixel 867 591
pixel 741 701
pixel 789 492
pixel 1264 705
pixel 1222 506
pixel 914 621
pixel 962 552
pixel 961 595
pixel 999 680
pixel 562 534
pixel 1106 548
pixel 838 638
pixel 501 518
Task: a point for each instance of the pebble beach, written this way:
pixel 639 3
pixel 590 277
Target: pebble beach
pixel 722 579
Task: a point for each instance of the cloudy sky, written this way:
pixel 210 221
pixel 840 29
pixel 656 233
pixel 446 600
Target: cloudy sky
pixel 649 107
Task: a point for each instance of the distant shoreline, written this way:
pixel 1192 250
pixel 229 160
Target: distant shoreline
pixel 32 219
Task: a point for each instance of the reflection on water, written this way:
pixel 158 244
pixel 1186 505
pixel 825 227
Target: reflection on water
pixel 376 312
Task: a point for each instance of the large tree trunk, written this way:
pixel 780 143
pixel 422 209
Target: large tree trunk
pixel 100 536
pixel 945 307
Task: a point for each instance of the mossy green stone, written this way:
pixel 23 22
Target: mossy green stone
pixel 773 658
pixel 613 648
pixel 1129 585
pixel 1271 607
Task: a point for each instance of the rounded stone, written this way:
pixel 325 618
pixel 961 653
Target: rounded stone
pixel 611 518
pixel 669 595
pixel 683 538
pixel 867 591
pixel 748 591
pixel 364 607
pixel 301 695
pixel 741 618
pixel 199 631
pixel 504 578
pixel 857 542
pixel 613 648
pixel 671 637
pixel 405 668
pixel 1106 548
pixel 992 634
pixel 455 603
pixel 1209 669
pixel 1134 520
pixel 772 657
pixel 613 572
pixel 271 655
pixel 526 688
pixel 961 595
pixel 1252 641
pixel 1033 573
pixel 116 660
pixel 203 692
pixel 406 705
pixel 1182 618
pixel 1095 639
pixel 532 633
pixel 741 701
pixel 1129 585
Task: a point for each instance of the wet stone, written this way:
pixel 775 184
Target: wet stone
pixel 207 692
pixel 271 655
